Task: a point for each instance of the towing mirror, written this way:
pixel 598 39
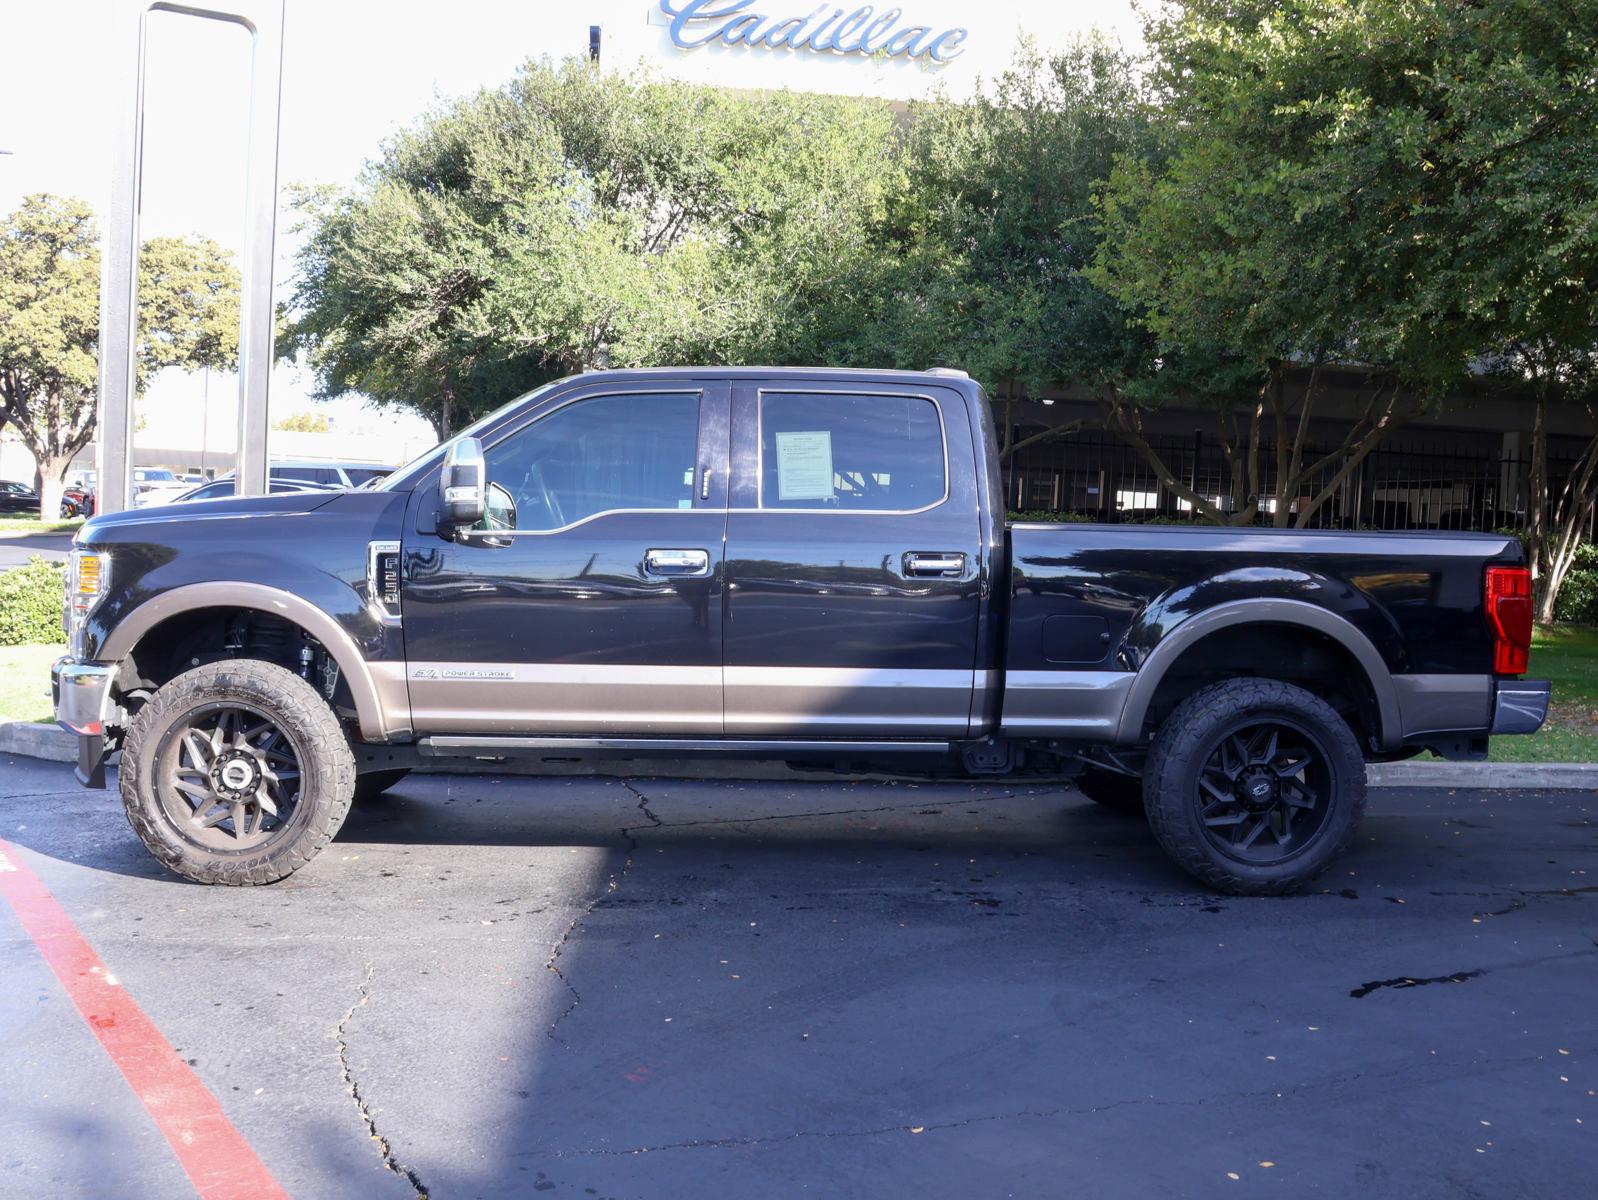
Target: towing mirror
pixel 462 482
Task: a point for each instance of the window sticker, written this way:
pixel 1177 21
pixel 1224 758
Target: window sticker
pixel 804 465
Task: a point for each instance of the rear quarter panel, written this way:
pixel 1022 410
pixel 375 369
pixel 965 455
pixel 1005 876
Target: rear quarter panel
pixel 1415 596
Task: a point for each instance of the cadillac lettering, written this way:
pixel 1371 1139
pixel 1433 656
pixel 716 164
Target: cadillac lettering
pixel 865 30
pixel 805 565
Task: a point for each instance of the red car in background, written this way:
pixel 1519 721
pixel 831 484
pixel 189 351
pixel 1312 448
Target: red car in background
pixel 77 501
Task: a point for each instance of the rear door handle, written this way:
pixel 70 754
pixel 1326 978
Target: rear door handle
pixel 677 563
pixel 936 562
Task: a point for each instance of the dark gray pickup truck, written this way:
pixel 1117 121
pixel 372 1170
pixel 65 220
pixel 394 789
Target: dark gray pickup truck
pixel 806 565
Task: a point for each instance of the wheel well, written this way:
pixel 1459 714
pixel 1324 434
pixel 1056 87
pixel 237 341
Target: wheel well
pixel 1289 653
pixel 189 639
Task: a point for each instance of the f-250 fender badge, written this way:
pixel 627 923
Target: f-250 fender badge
pixel 472 673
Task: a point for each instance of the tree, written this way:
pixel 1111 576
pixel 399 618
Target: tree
pixel 574 218
pixel 1520 98
pixel 303 422
pixel 978 258
pixel 49 324
pixel 1291 217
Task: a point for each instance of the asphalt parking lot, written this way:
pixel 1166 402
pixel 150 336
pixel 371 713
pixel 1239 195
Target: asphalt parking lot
pixel 16 550
pixel 591 987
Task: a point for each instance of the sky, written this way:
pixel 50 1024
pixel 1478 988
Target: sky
pixel 355 71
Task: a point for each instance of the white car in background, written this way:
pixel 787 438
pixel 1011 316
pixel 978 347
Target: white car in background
pixel 156 485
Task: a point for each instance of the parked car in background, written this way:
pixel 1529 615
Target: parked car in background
pixel 17 497
pixel 219 488
pixel 78 501
pixel 156 485
pixel 335 474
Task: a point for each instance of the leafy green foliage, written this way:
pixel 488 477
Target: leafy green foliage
pixel 31 599
pixel 49 324
pixel 574 218
pixel 303 422
pixel 1578 598
pixel 1410 187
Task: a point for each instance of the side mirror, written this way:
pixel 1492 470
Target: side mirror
pixel 462 483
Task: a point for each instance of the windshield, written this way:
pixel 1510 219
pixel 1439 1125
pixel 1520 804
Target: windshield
pixel 155 475
pixel 406 476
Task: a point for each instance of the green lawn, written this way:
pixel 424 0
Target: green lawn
pixel 34 525
pixel 1567 655
pixel 25 682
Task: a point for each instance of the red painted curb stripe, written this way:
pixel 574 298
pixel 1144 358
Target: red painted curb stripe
pixel 214 1155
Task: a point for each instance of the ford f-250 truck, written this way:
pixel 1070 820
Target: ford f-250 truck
pixel 807 565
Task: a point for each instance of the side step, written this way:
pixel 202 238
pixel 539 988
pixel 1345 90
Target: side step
pixel 468 746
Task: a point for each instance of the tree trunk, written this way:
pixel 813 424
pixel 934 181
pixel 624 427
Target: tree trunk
pixel 49 480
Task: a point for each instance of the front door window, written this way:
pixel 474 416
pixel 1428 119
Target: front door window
pixel 619 453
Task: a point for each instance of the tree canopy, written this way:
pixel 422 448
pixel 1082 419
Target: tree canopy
pixel 49 324
pixel 574 217
pixel 1404 191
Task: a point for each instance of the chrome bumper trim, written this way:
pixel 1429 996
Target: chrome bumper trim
pixel 1520 705
pixel 82 692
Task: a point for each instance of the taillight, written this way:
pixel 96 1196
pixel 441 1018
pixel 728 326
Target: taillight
pixel 1506 597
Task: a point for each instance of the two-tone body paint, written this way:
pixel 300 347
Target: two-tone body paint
pixel 804 625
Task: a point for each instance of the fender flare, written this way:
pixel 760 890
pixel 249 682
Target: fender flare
pixel 1259 611
pixel 382 703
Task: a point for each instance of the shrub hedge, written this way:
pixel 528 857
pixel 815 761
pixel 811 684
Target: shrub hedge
pixel 1578 596
pixel 30 604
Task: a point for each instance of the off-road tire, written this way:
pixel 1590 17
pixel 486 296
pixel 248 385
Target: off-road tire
pixel 327 771
pixel 1120 794
pixel 1183 745
pixel 374 783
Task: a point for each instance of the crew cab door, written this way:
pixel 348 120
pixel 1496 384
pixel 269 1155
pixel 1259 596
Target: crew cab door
pixel 853 561
pixel 589 599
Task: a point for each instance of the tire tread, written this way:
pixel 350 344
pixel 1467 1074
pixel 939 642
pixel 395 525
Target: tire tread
pixel 280 691
pixel 1188 724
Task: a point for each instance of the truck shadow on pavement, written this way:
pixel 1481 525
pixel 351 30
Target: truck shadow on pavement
pixel 595 987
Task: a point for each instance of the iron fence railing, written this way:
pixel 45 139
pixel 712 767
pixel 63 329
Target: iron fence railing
pixel 1403 484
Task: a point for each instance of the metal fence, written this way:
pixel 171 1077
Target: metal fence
pixel 1406 483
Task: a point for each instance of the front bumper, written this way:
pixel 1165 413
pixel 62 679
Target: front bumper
pixel 82 695
pixel 1519 705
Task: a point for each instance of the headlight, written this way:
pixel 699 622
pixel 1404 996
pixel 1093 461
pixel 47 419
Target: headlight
pixel 87 577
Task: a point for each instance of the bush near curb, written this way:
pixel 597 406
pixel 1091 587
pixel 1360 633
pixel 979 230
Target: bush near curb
pixel 1578 596
pixel 30 604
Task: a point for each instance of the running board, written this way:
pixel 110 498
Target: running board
pixel 457 746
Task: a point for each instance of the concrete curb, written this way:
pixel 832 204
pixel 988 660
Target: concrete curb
pixel 1433 773
pixel 55 744
pixel 49 742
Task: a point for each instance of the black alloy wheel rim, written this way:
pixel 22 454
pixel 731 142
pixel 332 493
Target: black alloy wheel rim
pixel 1265 790
pixel 228 777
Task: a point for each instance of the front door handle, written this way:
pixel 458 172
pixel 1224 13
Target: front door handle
pixel 942 563
pixel 677 563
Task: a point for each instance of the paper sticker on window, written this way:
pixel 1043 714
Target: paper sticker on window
pixel 804 465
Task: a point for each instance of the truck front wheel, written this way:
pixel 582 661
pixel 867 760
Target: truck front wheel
pixel 236 772
pixel 1254 786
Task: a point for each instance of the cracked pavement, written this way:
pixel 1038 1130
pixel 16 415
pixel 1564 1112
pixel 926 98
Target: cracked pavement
pixel 604 987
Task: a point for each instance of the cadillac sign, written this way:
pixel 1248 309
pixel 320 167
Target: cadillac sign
pixel 864 30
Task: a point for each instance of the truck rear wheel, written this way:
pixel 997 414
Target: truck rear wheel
pixel 1254 786
pixel 236 772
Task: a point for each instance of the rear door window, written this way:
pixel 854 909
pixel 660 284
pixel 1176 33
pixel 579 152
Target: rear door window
pixel 851 453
